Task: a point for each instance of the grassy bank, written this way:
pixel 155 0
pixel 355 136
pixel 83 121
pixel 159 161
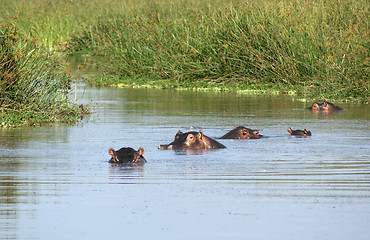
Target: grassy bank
pixel 319 49
pixel 316 49
pixel 34 87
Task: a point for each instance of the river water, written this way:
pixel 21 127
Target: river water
pixel 56 182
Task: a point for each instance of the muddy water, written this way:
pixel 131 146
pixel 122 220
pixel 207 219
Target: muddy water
pixel 55 182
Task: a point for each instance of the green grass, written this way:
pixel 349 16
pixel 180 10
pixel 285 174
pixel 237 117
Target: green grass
pixel 317 49
pixel 34 87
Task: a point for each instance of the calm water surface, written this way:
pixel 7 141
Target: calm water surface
pixel 56 183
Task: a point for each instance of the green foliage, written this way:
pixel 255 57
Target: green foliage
pixel 316 48
pixel 33 85
pixel 319 49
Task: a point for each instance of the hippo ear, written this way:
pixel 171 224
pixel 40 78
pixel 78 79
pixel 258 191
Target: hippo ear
pixel 200 134
pixel 234 127
pixel 245 131
pixel 255 132
pixel 140 151
pixel 305 131
pixel 111 151
pixel 325 103
pixel 113 154
pixel 178 134
pixel 290 130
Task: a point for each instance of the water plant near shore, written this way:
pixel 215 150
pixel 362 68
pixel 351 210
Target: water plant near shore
pixel 34 88
pixel 316 49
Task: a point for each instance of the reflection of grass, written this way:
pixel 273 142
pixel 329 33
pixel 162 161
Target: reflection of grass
pixel 189 85
pixel 319 49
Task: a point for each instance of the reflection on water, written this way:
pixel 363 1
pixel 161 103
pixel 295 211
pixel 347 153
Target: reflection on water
pixel 56 182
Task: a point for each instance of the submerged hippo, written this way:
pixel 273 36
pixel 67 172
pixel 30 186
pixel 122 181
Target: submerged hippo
pixel 242 133
pixel 192 141
pixel 303 133
pixel 324 107
pixel 127 155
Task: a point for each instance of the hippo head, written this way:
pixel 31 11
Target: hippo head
pixel 303 133
pixel 306 133
pixel 127 155
pixel 324 107
pixel 242 133
pixel 316 107
pixel 330 107
pixel 194 140
pixel 191 140
pixel 246 133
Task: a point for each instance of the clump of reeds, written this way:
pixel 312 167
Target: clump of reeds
pixel 33 86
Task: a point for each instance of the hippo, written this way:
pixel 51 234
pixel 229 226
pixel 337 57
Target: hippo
pixel 316 107
pixel 303 133
pixel 324 107
pixel 192 141
pixel 242 133
pixel 127 155
pixel 330 107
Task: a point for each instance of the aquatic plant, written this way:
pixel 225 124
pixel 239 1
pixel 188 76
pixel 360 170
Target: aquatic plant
pixel 33 85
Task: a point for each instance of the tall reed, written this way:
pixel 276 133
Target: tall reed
pixel 34 88
pixel 317 48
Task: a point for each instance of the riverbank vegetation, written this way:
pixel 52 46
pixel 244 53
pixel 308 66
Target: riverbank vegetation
pixel 34 86
pixel 317 49
pixel 314 49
